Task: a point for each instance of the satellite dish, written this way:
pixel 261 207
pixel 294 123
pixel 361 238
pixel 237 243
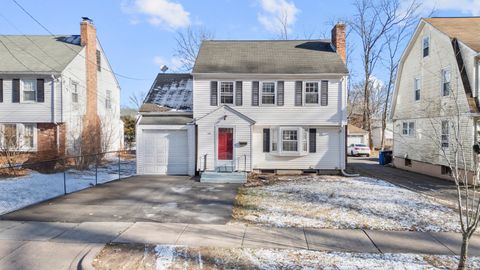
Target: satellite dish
pixel 163 68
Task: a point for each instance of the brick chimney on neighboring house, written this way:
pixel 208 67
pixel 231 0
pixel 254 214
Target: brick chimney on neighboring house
pixel 339 40
pixel 91 123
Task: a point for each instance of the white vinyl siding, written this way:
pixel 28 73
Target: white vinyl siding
pixel 285 115
pixel 329 155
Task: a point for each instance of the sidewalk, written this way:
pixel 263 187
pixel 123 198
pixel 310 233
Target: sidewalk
pixel 40 245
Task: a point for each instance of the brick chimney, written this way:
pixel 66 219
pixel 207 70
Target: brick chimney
pixel 339 40
pixel 88 37
pixel 91 131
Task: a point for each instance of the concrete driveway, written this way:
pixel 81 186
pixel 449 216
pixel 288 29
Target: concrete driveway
pixel 166 199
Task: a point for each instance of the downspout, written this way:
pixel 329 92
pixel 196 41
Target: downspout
pixel 344 139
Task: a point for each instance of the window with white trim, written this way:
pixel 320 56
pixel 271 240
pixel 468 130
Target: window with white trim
pixel 29 90
pixel 74 92
pixel 268 93
pixel 408 128
pixel 445 137
pixel 108 99
pixel 446 78
pixel 416 85
pixel 426 46
pixel 29 136
pixel 311 93
pixel 226 93
pixel 290 140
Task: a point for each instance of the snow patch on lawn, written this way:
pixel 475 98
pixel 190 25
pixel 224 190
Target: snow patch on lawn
pixel 177 257
pixel 341 202
pixel 19 192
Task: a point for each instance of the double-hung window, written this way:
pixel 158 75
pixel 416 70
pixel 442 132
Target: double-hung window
pixel 29 90
pixel 226 93
pixel 268 93
pixel 108 100
pixel 274 139
pixel 74 92
pixel 290 140
pixel 29 136
pixel 311 93
pixel 408 128
pixel 446 78
pixel 426 46
pixel 445 134
pixel 416 83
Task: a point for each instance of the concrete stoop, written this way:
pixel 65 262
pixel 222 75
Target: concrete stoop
pixel 223 177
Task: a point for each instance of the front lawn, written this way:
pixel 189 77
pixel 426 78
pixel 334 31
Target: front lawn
pixel 126 256
pixel 341 203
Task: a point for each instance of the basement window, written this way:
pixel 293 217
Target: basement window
pixel 446 170
pixel 408 162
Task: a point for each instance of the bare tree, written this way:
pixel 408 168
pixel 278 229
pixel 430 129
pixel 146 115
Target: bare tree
pixel 283 23
pixel 394 42
pixel 10 146
pixel 136 99
pixel 188 43
pixel 371 22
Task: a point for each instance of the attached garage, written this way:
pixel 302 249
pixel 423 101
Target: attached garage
pixel 166 144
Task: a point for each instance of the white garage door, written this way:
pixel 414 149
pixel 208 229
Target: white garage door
pixel 356 139
pixel 165 152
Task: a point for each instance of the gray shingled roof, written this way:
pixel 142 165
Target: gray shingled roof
pixel 172 91
pixel 55 54
pixel 268 57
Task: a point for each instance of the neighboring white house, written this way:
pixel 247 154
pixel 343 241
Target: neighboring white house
pixel 377 134
pixel 356 135
pixel 264 105
pixel 50 85
pixel 437 86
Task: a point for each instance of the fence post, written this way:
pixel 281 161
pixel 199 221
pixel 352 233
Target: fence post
pixel 118 165
pixel 96 170
pixel 64 178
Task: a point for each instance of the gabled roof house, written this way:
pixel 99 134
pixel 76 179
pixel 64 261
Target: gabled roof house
pixel 262 105
pixel 437 91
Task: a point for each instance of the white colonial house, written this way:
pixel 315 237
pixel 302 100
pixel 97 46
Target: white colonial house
pixel 264 105
pixel 50 85
pixel 436 95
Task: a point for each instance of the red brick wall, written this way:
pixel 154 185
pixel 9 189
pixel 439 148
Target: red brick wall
pixel 47 145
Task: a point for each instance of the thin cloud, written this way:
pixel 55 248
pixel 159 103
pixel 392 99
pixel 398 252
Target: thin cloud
pixel 165 13
pixel 275 13
pixel 467 7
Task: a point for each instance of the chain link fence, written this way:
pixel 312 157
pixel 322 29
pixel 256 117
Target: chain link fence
pixel 32 182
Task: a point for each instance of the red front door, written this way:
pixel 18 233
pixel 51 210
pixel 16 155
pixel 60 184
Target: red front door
pixel 225 144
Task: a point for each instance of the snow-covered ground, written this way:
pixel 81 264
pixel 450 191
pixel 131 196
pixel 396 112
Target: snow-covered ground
pixel 18 192
pixel 340 202
pixel 170 257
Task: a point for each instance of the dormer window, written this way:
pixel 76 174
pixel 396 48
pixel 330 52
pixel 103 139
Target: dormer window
pixel 426 46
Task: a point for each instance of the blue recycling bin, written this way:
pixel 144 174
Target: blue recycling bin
pixel 381 158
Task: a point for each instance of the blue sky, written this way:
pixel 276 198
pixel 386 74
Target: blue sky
pixel 138 35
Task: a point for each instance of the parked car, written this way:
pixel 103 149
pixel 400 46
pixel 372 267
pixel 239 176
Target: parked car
pixel 358 150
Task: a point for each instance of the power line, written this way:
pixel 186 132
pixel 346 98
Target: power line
pixel 50 32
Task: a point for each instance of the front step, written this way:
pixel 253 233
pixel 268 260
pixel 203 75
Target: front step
pixel 223 177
